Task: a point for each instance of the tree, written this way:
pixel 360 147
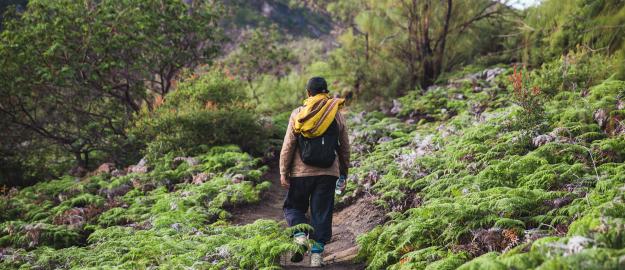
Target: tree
pixel 260 54
pixel 426 37
pixel 75 72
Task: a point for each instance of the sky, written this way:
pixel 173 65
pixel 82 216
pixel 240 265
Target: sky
pixel 521 4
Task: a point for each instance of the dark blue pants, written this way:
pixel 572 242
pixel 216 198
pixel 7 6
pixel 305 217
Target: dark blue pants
pixel 318 193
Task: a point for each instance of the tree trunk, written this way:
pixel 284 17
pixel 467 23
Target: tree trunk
pixel 80 162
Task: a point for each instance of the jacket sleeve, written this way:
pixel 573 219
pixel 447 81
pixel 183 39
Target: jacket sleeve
pixel 288 148
pixel 344 146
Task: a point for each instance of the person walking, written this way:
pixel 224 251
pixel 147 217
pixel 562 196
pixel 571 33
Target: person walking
pixel 315 153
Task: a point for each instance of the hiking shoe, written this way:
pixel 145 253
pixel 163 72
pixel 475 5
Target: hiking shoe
pixel 316 260
pixel 300 239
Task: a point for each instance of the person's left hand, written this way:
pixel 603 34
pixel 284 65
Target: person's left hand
pixel 284 181
pixel 344 185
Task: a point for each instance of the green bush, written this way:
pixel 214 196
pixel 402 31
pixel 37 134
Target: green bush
pixel 205 110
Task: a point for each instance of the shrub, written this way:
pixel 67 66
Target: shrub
pixel 208 109
pixel 528 97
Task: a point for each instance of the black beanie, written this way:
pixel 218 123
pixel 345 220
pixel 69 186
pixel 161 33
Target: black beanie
pixel 317 85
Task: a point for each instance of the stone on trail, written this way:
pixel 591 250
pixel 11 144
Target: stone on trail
pixel 238 178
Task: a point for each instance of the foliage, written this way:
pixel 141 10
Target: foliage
pixel 394 46
pixel 557 27
pixel 465 188
pixel 205 110
pixel 74 72
pixel 158 219
pixel 259 54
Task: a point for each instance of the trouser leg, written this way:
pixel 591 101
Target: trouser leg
pixel 297 201
pixel 321 208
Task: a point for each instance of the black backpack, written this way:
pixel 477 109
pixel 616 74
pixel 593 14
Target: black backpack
pixel 320 151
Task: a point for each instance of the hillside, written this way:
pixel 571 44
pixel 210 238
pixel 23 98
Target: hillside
pixel 464 184
pixel 146 134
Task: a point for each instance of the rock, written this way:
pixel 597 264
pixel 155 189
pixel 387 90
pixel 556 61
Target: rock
pixel 476 109
pixel 385 139
pixel 541 140
pixel 148 187
pixel 445 130
pixel 396 107
pixel 601 117
pixel 560 132
pixel 117 173
pixel 490 239
pixel 121 190
pixel 425 145
pixel 141 167
pixel 620 105
pixel 238 178
pixel 78 171
pixel 369 180
pixel 459 96
pixel 143 162
pixel 359 118
pixel 189 160
pixel 491 74
pixel 574 245
pixel 137 169
pixel 105 168
pixel 200 178
pixel 146 225
pixel 343 255
pixel 559 202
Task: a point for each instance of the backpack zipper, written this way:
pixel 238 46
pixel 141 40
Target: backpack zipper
pixel 323 140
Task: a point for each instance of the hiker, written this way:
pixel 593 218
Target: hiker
pixel 315 153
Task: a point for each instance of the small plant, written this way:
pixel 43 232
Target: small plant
pixel 529 97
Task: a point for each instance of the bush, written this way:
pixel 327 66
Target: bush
pixel 205 110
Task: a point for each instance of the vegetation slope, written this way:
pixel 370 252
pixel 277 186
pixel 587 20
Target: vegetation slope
pixel 503 149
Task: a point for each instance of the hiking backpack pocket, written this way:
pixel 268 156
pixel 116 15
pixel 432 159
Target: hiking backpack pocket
pixel 320 151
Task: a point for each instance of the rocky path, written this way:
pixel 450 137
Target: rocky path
pixel 348 223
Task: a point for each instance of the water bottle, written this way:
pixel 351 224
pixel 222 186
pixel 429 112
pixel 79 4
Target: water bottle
pixel 340 183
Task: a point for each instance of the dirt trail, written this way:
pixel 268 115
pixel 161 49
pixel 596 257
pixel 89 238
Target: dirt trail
pixel 348 223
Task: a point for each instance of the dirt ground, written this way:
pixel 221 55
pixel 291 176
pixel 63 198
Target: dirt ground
pixel 349 222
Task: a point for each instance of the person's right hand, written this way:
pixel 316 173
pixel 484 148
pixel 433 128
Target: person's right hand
pixel 284 181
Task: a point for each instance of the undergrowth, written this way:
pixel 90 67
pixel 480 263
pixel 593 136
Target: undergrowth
pixel 470 183
pixel 174 215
